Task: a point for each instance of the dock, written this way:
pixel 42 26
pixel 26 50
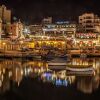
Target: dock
pixel 17 54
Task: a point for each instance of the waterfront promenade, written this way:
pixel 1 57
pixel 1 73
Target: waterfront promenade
pixel 19 54
pixel 33 54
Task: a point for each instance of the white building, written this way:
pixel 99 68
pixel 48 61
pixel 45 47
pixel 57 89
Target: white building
pixel 61 29
pixel 90 22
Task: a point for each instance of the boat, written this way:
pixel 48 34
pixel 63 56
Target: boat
pixel 57 63
pixel 63 57
pixel 50 55
pixel 80 68
pixel 80 73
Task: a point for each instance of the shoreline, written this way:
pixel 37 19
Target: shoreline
pixel 41 56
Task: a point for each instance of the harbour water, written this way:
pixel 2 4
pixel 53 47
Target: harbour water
pixel 22 79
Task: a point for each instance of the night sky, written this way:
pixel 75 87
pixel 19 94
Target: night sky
pixel 31 11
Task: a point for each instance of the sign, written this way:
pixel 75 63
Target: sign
pixel 86 35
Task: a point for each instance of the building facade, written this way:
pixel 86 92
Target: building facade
pixel 60 29
pixel 0 26
pixel 89 22
pixel 5 14
pixel 35 29
pixel 16 30
pixel 47 20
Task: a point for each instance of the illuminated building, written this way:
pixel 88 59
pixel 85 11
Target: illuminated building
pixel 86 42
pixel 35 29
pixel 5 14
pixel 86 39
pixel 26 29
pixel 89 22
pixel 0 26
pixel 88 30
pixel 59 29
pixel 6 29
pixel 13 30
pixel 17 30
pixel 47 20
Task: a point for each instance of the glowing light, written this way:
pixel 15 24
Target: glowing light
pixel 4 43
pixel 21 42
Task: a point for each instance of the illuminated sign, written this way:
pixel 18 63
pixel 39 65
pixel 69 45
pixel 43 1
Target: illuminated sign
pixel 62 22
pixel 86 35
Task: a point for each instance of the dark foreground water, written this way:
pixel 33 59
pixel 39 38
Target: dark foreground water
pixel 22 79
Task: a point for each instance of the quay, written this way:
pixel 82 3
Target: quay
pixel 17 54
pixel 41 54
pixel 36 55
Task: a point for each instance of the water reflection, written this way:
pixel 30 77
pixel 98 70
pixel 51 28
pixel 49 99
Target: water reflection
pixel 16 69
pixel 87 84
pixel 58 78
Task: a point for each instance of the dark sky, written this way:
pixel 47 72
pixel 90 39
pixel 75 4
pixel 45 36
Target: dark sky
pixel 34 10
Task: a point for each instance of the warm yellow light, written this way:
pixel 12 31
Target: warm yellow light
pixel 48 38
pixel 31 45
pixel 21 42
pixel 63 42
pixel 55 42
pixel 4 43
pixel 47 42
pixel 39 64
pixel 40 42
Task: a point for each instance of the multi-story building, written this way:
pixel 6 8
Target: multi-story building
pixel 35 29
pixel 0 26
pixel 5 14
pixel 89 22
pixel 88 30
pixel 60 29
pixel 14 30
pixel 47 20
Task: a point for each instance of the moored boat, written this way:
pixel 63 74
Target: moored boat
pixel 57 63
pixel 79 68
